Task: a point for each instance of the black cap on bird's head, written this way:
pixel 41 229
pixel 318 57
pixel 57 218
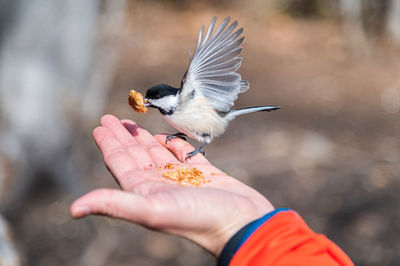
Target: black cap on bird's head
pixel 163 97
pixel 160 90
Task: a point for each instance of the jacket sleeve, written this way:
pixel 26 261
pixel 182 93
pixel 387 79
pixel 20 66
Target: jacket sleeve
pixel 280 238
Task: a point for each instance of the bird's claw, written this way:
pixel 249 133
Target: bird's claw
pixel 193 153
pixel 174 136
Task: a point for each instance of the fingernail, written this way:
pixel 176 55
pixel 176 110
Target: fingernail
pixel 81 211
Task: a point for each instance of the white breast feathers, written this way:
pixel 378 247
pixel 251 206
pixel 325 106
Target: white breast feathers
pixel 198 120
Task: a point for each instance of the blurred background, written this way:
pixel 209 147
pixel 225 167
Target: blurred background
pixel 332 152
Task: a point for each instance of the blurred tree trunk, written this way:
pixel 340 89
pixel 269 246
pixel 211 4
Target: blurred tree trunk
pixel 393 21
pixel 351 12
pixel 50 60
pixel 8 252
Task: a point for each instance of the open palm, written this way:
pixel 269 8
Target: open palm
pixel 208 215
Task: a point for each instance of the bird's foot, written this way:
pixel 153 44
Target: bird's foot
pixel 174 136
pixel 196 151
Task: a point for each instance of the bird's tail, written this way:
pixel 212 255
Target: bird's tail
pixel 236 112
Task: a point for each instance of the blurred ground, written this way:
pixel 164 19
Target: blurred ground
pixel 332 153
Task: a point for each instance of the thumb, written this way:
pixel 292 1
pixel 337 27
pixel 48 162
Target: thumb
pixel 114 203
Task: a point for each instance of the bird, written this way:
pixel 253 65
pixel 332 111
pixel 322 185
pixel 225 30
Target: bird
pixel 201 107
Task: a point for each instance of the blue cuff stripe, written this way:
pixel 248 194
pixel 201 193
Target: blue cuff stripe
pixel 257 223
pixel 241 236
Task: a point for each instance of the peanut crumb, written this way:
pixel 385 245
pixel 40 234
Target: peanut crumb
pixel 169 166
pixel 185 176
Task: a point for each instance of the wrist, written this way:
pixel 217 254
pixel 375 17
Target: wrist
pixel 230 230
pixel 215 238
pixel 217 241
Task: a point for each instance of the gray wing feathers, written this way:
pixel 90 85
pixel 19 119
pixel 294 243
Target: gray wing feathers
pixel 244 85
pixel 210 29
pixel 199 41
pixel 212 70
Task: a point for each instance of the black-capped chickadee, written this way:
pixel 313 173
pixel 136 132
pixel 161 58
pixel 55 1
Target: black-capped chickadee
pixel 201 107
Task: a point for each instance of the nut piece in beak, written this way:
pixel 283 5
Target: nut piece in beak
pixel 137 102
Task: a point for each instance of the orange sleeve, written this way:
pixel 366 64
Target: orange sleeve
pixel 285 239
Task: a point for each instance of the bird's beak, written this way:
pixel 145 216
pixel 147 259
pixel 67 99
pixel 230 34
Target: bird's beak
pixel 146 102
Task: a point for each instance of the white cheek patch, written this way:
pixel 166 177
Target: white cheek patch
pixel 166 103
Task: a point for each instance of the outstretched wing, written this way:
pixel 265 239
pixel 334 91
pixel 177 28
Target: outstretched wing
pixel 212 70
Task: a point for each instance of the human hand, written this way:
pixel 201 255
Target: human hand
pixel 208 215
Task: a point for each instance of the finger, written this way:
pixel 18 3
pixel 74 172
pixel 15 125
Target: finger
pixel 116 158
pixel 135 150
pixel 117 128
pixel 114 203
pixel 180 148
pixel 158 153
